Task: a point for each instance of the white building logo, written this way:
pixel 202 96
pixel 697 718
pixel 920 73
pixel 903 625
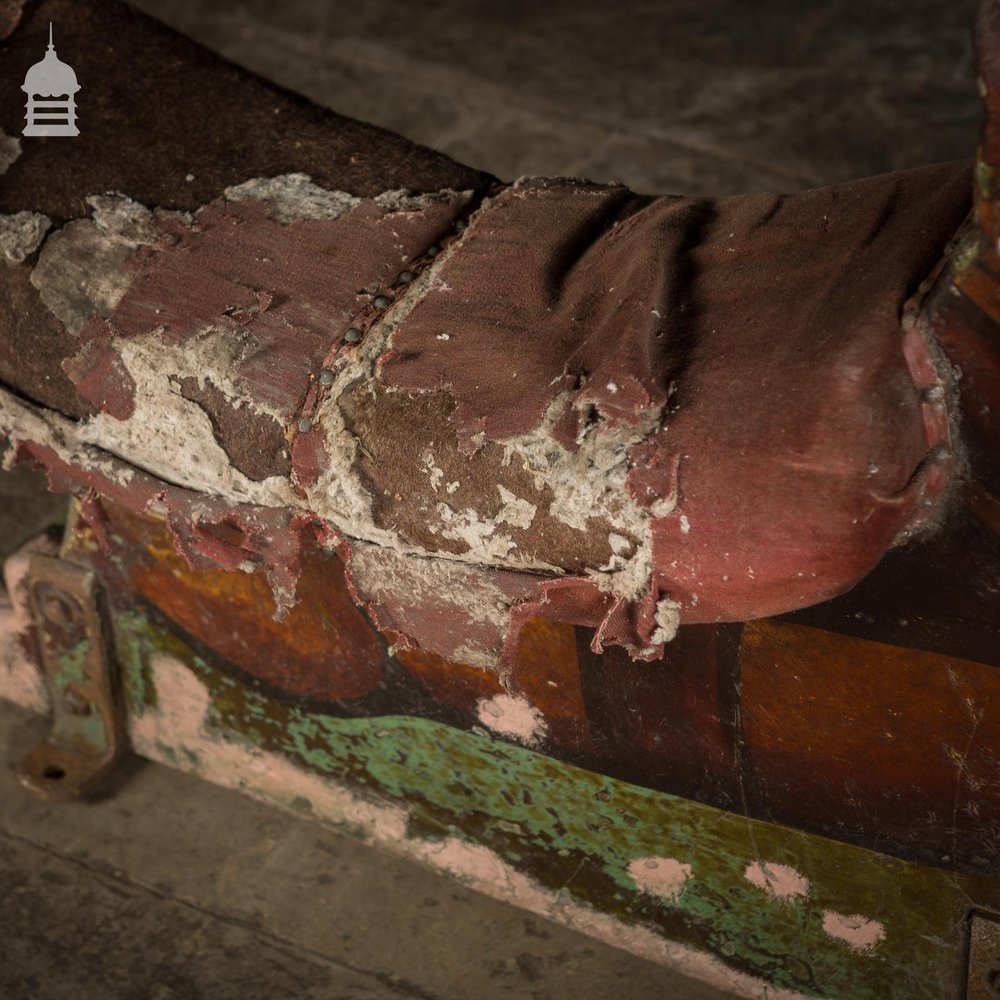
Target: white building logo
pixel 51 87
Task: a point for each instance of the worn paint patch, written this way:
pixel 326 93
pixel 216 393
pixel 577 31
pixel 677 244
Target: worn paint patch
pixel 21 680
pixel 549 858
pixel 485 870
pixel 779 881
pixel 181 722
pixel 664 877
pixel 513 716
pixel 861 933
pixel 21 235
pixel 476 865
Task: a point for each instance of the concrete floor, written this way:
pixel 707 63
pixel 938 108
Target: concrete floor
pixel 169 889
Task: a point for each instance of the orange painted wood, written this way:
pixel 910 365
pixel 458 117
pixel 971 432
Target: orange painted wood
pixel 898 744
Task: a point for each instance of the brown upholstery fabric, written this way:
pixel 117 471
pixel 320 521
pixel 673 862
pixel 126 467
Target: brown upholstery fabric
pixel 155 107
pixel 743 360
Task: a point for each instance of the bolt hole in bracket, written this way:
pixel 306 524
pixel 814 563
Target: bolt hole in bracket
pixel 88 728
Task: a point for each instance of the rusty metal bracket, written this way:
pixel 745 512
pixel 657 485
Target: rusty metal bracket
pixel 983 982
pixel 88 729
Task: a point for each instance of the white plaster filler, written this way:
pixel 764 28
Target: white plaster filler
pixel 481 534
pixel 668 620
pixel 22 421
pixel 434 472
pixel 589 483
pixel 173 437
pixel 21 234
pixel 293 198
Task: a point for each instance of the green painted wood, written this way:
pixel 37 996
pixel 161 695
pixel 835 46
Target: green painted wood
pixel 576 833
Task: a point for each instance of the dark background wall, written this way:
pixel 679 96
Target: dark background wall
pixel 680 96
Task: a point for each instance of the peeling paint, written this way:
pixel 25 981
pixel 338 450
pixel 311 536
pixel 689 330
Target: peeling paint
pixel 456 801
pixel 484 870
pixel 467 813
pixel 181 730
